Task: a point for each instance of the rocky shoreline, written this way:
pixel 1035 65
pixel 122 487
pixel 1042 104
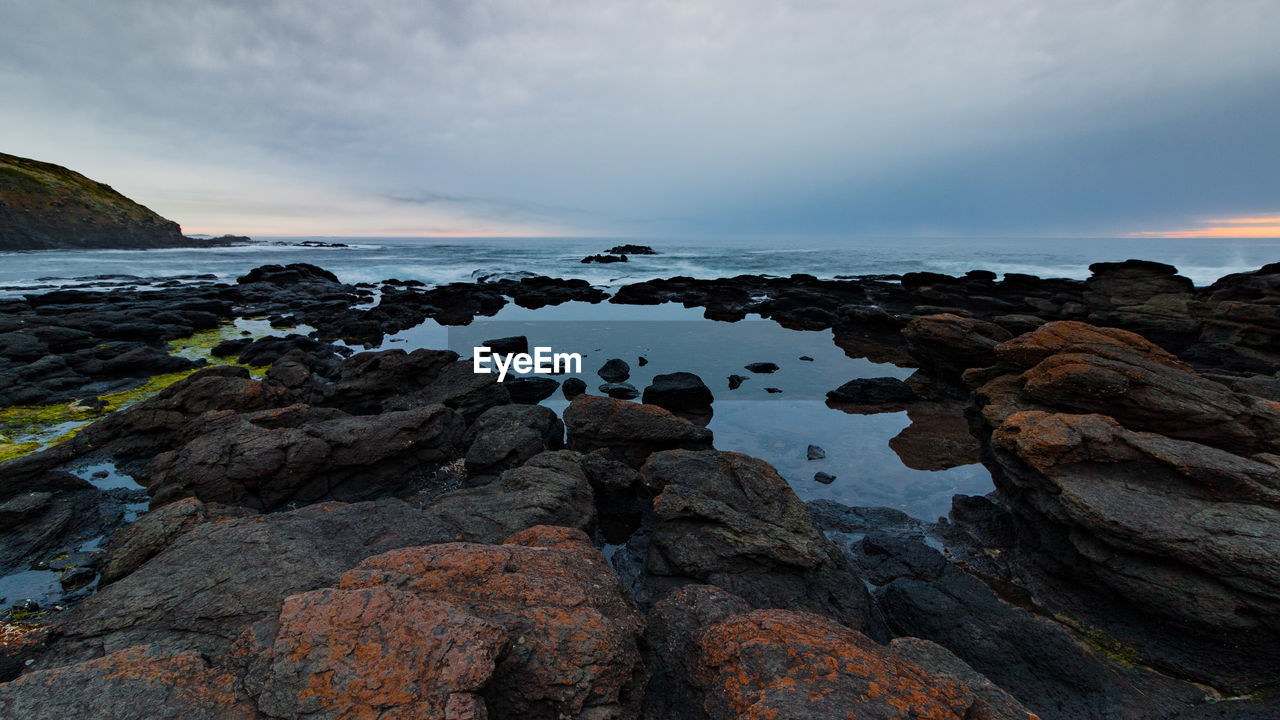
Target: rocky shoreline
pixel 387 534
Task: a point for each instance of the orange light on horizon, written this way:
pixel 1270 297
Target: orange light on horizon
pixel 1250 226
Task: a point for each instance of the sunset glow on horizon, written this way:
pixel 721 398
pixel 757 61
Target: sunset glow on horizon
pixel 1254 226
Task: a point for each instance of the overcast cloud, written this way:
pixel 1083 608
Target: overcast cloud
pixel 723 118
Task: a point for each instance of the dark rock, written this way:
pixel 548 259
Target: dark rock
pixel 143 539
pixel 230 348
pixel 271 458
pixel 679 391
pixel 670 631
pixel 824 478
pixel 949 344
pixel 815 453
pixel 508 435
pixel 730 520
pixel 642 361
pixel 604 259
pixel 806 358
pixel 549 489
pixel 1035 659
pixel 773 390
pixel 632 431
pixel 288 274
pixel 630 249
pixel 762 367
pixel 531 390
pixel 615 370
pixel 514 345
pixel 572 388
pixel 620 390
pixel 220 577
pixel 872 391
pixel 735 381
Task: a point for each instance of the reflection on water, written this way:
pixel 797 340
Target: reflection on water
pixel 776 427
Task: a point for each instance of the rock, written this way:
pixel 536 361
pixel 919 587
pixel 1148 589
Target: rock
pixel 531 390
pixel 778 663
pixel 620 390
pixel 572 388
pixel 131 683
pixel 1035 659
pixel 642 361
pixel 671 627
pixel 549 489
pixel 762 367
pixel 571 629
pixel 604 259
pixel 267 350
pixel 508 435
pixel 948 344
pixel 806 358
pixel 824 478
pixel 815 453
pixel 630 249
pixel 773 390
pixel 76 578
pixel 1166 503
pixel 677 392
pixel 632 431
pixel 1148 297
pixel 370 652
pixel 206 586
pixel 730 520
pixel 615 370
pixel 287 274
pixel 514 345
pixel 735 381
pixel 1081 368
pixel 144 538
pixel 271 458
pixel 872 391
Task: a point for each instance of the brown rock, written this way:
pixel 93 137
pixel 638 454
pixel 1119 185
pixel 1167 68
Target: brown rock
pixel 570 626
pixel 630 430
pixel 132 683
pixel 782 664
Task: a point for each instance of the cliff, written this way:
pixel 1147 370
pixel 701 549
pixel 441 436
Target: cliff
pixel 47 207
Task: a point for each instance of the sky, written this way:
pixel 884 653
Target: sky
pixel 660 118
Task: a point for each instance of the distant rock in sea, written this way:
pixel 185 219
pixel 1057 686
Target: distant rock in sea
pixel 48 207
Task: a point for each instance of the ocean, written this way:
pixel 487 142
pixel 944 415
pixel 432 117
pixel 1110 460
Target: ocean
pixel 448 260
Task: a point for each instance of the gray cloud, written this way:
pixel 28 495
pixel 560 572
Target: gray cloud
pixel 727 117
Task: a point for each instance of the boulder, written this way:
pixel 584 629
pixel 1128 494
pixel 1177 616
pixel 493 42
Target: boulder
pixel 531 390
pixel 570 627
pixel 508 435
pixel 620 390
pixel 144 538
pixel 872 391
pixel 268 459
pixel 948 344
pixel 730 520
pixel 206 586
pixel 779 663
pixel 572 388
pixel 632 431
pixel 549 489
pixel 615 370
pixel 678 392
pixel 132 683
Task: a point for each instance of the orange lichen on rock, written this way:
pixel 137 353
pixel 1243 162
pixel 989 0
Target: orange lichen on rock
pixel 570 627
pixel 782 664
pixel 375 653
pixel 122 683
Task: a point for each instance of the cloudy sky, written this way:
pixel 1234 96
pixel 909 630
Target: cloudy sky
pixel 655 118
